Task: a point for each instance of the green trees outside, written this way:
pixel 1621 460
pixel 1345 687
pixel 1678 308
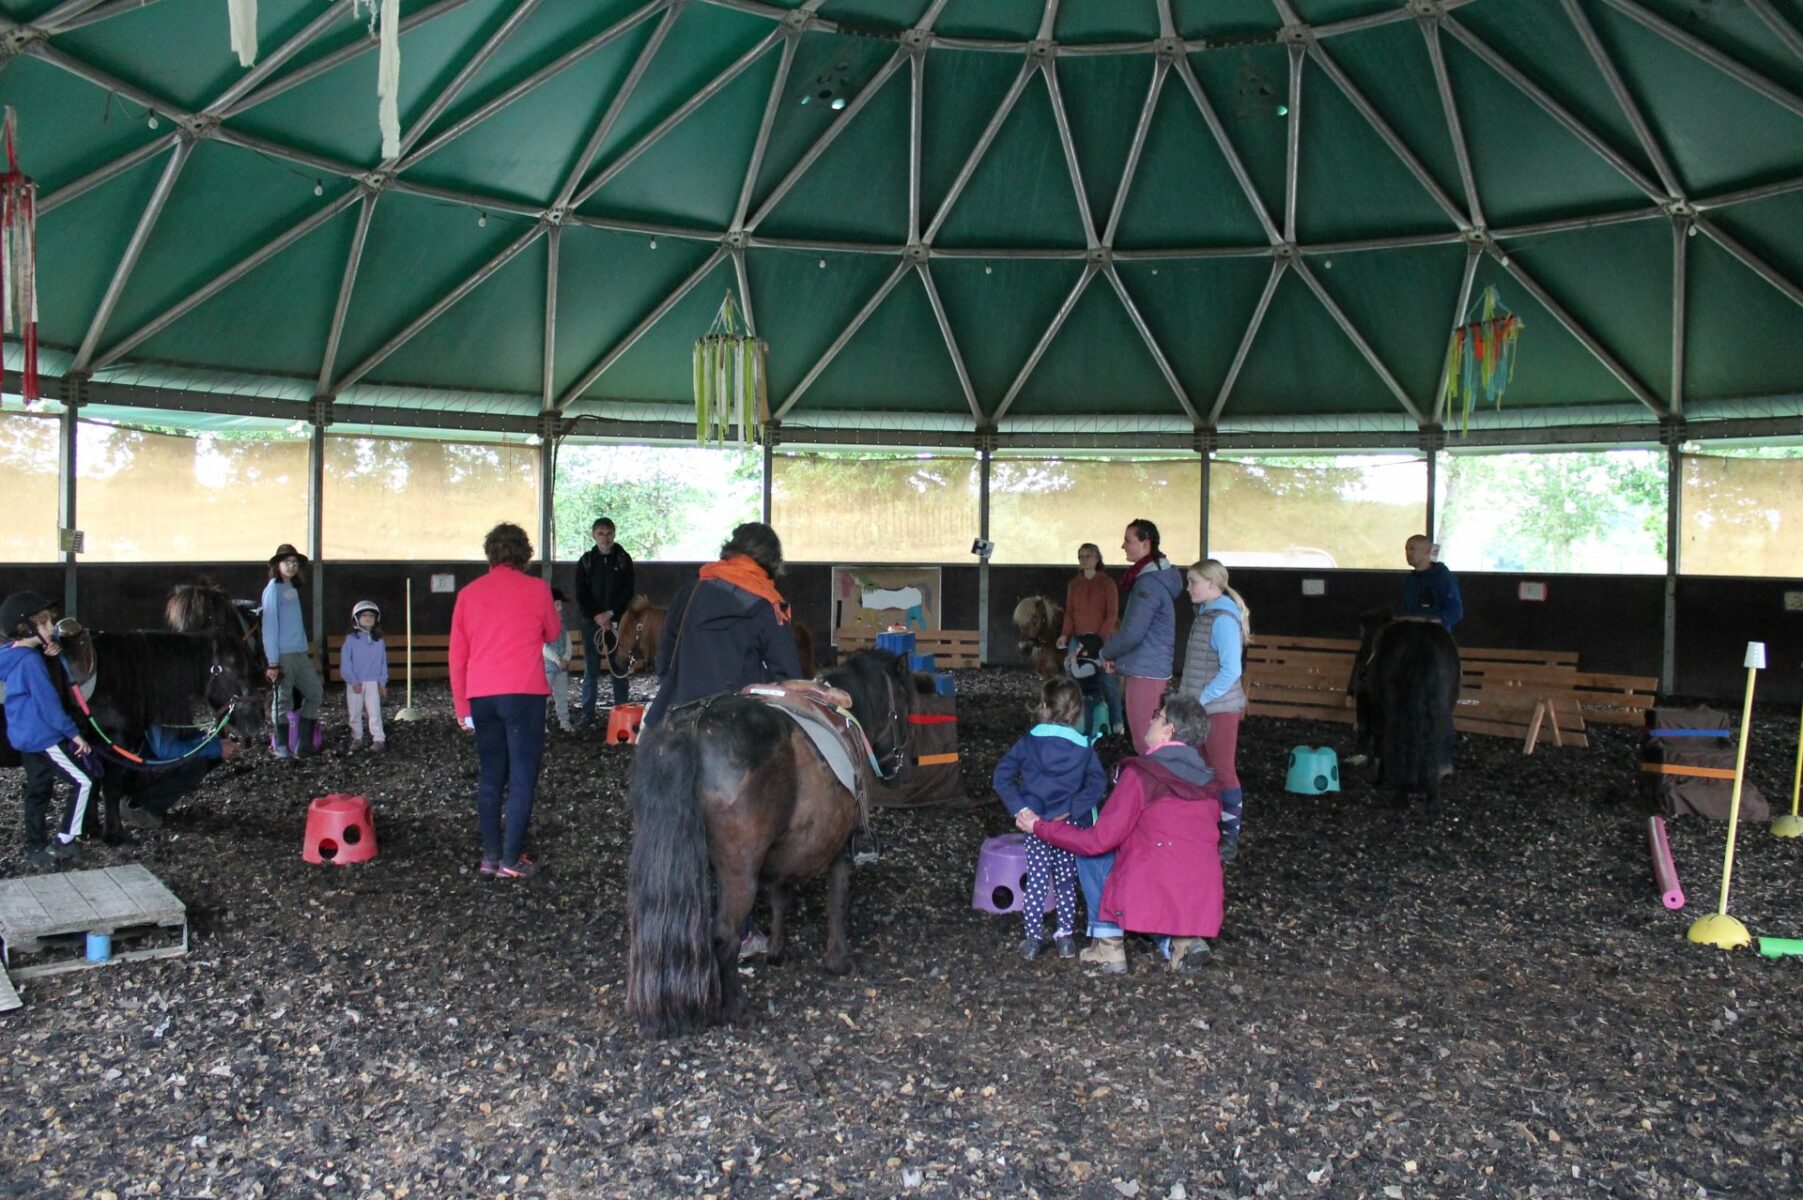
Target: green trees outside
pixel 1566 511
pixel 670 502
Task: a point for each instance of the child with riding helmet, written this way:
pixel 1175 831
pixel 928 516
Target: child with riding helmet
pixel 38 727
pixel 290 665
pixel 364 665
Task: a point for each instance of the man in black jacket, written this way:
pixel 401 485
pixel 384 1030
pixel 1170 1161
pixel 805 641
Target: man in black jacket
pixel 604 587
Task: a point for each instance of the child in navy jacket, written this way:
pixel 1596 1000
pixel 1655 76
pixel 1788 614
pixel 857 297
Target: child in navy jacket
pixel 1053 772
pixel 39 728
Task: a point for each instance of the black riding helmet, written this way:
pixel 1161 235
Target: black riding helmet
pixel 19 608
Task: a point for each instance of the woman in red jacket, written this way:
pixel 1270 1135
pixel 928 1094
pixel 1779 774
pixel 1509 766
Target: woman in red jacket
pixel 498 633
pixel 1164 820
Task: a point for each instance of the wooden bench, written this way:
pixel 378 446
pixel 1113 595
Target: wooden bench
pixel 949 647
pixel 431 656
pixel 1503 692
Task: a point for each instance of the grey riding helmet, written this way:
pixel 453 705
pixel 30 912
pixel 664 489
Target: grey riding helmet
pixel 363 606
pixel 19 608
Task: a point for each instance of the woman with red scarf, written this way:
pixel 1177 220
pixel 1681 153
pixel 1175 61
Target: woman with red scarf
pixel 730 627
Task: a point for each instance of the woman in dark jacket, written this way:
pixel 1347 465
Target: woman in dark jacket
pixel 730 627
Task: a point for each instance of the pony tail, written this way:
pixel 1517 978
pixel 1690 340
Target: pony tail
pixel 672 978
pixel 1245 615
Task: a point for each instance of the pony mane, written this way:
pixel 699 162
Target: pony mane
pixel 874 679
pixel 155 677
pixel 196 607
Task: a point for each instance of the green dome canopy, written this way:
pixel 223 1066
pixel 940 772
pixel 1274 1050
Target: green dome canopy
pixel 1163 218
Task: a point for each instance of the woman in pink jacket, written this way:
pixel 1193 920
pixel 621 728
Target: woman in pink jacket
pixel 1164 821
pixel 498 633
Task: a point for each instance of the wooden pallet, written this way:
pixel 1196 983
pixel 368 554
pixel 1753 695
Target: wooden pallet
pixel 949 647
pixel 9 999
pixel 53 914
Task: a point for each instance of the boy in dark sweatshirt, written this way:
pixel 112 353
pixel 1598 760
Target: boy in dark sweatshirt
pixel 40 730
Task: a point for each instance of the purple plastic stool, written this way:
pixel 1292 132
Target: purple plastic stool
pixel 1002 876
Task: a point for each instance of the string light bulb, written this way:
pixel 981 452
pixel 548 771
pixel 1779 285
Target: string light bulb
pixel 319 187
pixel 823 264
pixel 654 243
pixel 151 120
pixel 482 220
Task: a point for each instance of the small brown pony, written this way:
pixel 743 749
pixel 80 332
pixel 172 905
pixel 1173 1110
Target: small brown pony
pixel 728 793
pixel 1037 621
pixel 205 607
pixel 643 625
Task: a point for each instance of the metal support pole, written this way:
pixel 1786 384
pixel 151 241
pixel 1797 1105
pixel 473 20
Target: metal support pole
pixel 1208 470
pixel 769 468
pixel 67 430
pixel 985 453
pixel 1674 528
pixel 1432 525
pixel 547 505
pixel 316 490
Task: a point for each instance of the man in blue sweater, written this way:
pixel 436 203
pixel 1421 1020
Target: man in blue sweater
pixel 1430 591
pixel 39 728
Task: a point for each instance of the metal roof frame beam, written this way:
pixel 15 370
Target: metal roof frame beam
pixel 313 70
pixel 128 261
pixel 744 279
pixel 1358 339
pixel 1049 69
pixel 1278 265
pixel 443 305
pixel 1145 333
pixel 1723 62
pixel 1591 342
pixel 347 284
pixel 1292 145
pixel 951 342
pixel 548 370
pixel 1090 271
pixel 1455 129
pixel 272 62
pixel 826 139
pixel 1234 163
pixel 1619 89
pixel 1382 128
pixel 978 151
pixel 765 125
pixel 656 133
pixel 1161 68
pixel 1750 260
pixel 1681 228
pixel 845 335
pixel 459 81
pixel 1552 108
pixel 1782 29
pixel 223 280
pixel 615 106
pixel 531 83
pixel 619 348
pixel 100 175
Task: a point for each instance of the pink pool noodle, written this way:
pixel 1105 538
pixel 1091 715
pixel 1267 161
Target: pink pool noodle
pixel 1665 872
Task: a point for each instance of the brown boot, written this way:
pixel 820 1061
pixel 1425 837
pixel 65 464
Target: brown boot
pixel 1188 954
pixel 1108 953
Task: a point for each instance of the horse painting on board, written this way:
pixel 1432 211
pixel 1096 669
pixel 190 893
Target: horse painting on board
pixel 1407 687
pixel 730 793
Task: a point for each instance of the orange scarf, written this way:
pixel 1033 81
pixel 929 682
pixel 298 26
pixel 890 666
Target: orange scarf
pixel 742 571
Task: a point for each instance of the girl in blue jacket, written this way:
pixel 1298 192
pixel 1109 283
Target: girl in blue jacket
pixel 39 728
pixel 1053 772
pixel 290 665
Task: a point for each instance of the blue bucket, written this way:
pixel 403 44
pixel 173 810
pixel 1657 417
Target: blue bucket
pixel 100 947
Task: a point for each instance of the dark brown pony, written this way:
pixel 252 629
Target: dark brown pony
pixel 206 608
pixel 728 793
pixel 1407 675
pixel 1038 620
pixel 643 625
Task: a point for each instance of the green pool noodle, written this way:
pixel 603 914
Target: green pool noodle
pixel 1780 947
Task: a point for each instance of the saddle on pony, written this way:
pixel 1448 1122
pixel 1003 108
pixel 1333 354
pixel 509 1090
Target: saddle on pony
pixel 823 712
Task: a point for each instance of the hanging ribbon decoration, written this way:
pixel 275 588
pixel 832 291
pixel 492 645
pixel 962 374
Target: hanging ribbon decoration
pixel 388 70
pixel 19 258
pixel 244 30
pixel 732 384
pixel 1481 357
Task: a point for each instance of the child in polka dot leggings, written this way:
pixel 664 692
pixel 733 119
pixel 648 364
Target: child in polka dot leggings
pixel 1053 772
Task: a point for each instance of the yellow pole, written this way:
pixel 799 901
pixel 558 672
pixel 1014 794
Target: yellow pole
pixel 1792 826
pixel 1720 929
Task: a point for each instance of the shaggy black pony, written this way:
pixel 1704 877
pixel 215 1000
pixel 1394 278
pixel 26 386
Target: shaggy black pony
pixel 729 793
pixel 1407 687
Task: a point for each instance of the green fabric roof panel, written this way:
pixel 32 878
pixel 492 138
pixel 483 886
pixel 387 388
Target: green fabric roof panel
pixel 606 283
pixel 526 151
pixel 449 288
pixel 270 320
pixel 917 373
pixel 803 300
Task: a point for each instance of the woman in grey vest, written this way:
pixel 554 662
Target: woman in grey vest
pixel 1212 666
